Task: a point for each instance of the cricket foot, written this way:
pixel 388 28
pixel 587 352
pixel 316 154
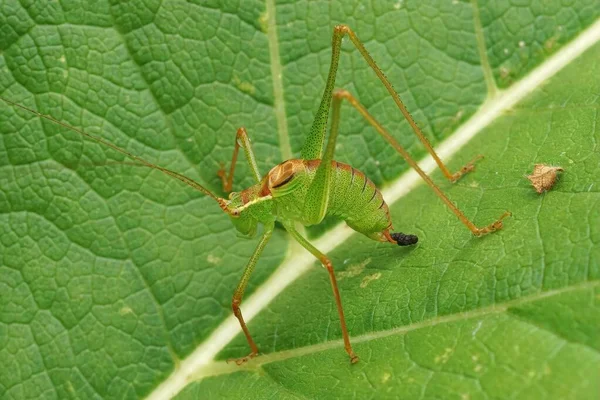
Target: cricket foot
pixel 243 360
pixel 470 166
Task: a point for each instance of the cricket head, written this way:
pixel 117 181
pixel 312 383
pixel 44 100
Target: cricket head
pixel 241 220
pixel 254 205
pixel 247 208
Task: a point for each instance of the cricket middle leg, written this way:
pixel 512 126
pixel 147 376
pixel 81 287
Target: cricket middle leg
pixel 334 287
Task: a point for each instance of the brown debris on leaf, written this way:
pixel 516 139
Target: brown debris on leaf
pixel 543 177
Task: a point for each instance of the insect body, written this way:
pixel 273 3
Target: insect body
pixel 307 189
pixel 352 197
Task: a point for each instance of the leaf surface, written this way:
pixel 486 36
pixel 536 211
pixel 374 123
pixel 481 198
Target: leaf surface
pixel 112 275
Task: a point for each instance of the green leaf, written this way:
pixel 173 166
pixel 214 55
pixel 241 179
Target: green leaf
pixel 487 353
pixel 514 314
pixel 115 281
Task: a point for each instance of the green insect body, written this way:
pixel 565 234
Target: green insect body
pixel 352 197
pixel 308 189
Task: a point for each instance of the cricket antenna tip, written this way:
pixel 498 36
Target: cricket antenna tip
pixel 403 239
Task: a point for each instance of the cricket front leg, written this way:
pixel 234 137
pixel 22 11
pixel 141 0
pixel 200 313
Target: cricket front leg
pixel 334 287
pixel 239 293
pixel 241 140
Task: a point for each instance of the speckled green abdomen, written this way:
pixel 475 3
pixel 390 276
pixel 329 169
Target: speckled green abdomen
pixel 355 199
pixel 352 197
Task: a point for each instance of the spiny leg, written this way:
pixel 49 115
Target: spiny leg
pixel 317 197
pixel 239 293
pixel 344 94
pixel 312 148
pixel 336 293
pixel 241 140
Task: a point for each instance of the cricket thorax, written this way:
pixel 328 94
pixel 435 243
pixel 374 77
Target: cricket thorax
pixel 352 196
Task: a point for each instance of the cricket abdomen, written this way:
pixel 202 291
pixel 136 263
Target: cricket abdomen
pixel 352 196
pixel 355 199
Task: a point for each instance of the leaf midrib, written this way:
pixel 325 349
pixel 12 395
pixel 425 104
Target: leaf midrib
pixel 222 367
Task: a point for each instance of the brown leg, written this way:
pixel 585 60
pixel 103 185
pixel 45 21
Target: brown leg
pixel 338 301
pixel 241 140
pixel 334 287
pixel 239 293
pixel 235 305
pixel 453 177
pixel 313 145
pixel 494 226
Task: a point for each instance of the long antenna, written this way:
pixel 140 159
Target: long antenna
pixel 176 175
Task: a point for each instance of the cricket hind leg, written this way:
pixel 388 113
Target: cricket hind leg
pixel 239 293
pixel 336 293
pixel 339 32
pixel 494 226
pixel 241 140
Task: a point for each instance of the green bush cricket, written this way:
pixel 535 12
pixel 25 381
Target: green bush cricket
pixel 307 189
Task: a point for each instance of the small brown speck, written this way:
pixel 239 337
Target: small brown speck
pixel 543 177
